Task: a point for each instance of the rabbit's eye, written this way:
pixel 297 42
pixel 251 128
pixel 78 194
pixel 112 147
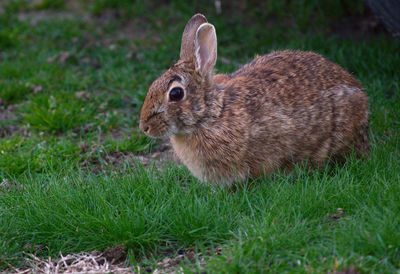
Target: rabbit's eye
pixel 176 94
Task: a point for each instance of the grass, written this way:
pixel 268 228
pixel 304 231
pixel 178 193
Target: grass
pixel 70 180
pixel 55 114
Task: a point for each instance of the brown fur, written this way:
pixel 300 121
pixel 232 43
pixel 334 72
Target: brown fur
pixel 280 109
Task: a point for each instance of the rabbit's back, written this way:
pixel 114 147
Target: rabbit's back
pixel 291 76
pixel 299 106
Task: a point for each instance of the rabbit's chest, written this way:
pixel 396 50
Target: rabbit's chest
pixel 190 155
pixel 211 157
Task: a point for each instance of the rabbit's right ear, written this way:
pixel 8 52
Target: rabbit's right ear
pixel 205 45
pixel 188 36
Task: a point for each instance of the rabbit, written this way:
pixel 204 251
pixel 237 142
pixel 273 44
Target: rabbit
pixel 281 109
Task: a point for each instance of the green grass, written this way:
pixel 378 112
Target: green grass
pixel 13 91
pixel 57 113
pixel 59 190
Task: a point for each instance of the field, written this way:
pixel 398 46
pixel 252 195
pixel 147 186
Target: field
pixel 77 176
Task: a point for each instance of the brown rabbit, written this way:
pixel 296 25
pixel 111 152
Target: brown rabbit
pixel 281 109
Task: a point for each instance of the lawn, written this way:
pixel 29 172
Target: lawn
pixel 76 175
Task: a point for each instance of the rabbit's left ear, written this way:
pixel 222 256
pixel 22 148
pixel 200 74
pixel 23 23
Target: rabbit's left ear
pixel 205 45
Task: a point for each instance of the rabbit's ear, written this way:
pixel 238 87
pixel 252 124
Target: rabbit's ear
pixel 187 46
pixel 205 45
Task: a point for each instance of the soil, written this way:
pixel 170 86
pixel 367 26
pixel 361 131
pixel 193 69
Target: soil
pixel 349 270
pixel 6 115
pixel 160 157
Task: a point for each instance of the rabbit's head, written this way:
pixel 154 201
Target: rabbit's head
pixel 176 102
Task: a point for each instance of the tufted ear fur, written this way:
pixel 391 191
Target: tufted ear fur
pixel 205 45
pixel 188 36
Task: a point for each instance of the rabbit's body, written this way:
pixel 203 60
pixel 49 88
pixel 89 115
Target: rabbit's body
pixel 281 109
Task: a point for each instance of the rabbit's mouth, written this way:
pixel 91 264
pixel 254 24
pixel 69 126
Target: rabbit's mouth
pixel 155 126
pixel 159 133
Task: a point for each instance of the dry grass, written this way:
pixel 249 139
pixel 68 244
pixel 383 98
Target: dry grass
pixel 94 262
pixel 106 262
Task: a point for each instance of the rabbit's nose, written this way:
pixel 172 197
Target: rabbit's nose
pixel 145 128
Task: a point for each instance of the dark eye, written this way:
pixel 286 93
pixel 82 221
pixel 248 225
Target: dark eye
pixel 176 94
